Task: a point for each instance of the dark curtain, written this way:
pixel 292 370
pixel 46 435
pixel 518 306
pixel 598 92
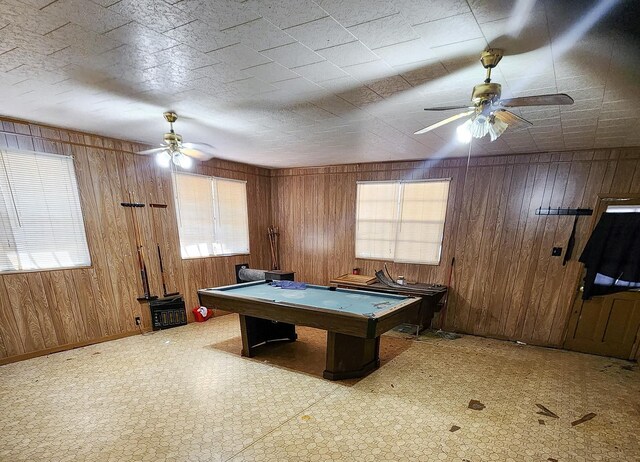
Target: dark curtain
pixel 612 255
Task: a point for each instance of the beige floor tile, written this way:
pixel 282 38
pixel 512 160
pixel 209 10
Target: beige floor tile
pixel 186 395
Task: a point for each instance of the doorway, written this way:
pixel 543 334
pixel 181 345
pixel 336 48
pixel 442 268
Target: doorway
pixel 607 325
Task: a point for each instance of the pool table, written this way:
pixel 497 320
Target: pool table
pixel 353 319
pixel 431 294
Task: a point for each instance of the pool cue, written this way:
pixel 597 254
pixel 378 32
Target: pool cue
pixel 277 246
pixel 273 258
pixel 275 249
pixel 273 244
pixel 164 285
pixel 139 249
pixel 162 276
pixel 443 313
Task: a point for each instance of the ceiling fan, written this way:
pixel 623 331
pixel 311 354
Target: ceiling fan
pixel 487 114
pixel 174 150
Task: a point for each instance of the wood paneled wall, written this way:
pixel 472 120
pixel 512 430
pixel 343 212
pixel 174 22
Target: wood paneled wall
pixel 505 282
pixel 51 310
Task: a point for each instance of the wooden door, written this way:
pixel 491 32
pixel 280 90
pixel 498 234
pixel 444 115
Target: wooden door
pixel 607 325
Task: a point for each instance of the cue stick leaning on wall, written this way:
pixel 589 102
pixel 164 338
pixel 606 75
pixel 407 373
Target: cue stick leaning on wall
pixel 139 249
pixel 155 237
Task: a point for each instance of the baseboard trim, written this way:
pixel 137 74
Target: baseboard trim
pixel 68 346
pixel 71 346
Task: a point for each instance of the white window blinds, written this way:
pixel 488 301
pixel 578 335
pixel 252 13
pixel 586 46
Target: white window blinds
pixel 232 225
pixel 212 215
pixel 401 221
pixel 41 224
pixel 376 220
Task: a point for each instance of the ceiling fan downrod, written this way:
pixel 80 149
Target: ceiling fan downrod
pixel 172 138
pixel 490 59
pixel 170 117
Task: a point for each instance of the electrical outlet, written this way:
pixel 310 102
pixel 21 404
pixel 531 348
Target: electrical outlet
pixel 137 320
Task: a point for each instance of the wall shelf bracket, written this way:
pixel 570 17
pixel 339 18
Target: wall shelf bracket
pixel 557 211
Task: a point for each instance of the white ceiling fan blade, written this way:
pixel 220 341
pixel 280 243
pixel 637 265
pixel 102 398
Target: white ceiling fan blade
pixel 152 151
pixel 197 154
pixel 199 146
pixel 444 122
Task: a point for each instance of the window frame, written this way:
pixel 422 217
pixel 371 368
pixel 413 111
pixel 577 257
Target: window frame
pixel 216 211
pixel 87 236
pixel 398 219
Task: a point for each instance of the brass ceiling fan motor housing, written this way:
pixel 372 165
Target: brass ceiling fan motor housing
pixel 172 138
pixel 486 93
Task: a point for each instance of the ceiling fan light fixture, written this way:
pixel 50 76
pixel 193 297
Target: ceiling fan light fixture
pixel 496 127
pixel 163 159
pixel 185 161
pixel 480 126
pixel 463 132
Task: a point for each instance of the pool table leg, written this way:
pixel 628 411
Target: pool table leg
pixel 256 331
pixel 350 357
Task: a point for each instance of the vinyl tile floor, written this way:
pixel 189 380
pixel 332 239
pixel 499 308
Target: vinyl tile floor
pixel 185 394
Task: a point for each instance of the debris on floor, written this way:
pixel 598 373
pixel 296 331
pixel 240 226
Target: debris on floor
pixel 408 332
pixel 447 335
pixel 583 419
pixel 546 412
pixel 454 428
pixel 542 422
pixel 551 459
pixel 622 367
pixel 476 405
pixel 405 329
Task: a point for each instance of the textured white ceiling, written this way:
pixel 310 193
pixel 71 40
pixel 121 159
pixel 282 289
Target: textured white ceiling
pixel 299 82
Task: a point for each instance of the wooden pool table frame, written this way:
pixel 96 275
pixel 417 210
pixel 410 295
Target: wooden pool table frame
pixel 353 340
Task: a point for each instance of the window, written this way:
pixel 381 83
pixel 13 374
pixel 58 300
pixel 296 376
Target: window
pixel 41 224
pixel 402 221
pixel 623 209
pixel 212 215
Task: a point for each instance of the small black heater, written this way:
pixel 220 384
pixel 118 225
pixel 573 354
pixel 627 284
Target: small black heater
pixel 168 312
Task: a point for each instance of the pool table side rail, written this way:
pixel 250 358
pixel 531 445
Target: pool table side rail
pixel 339 321
pixel 299 306
pixel 235 286
pixel 331 320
